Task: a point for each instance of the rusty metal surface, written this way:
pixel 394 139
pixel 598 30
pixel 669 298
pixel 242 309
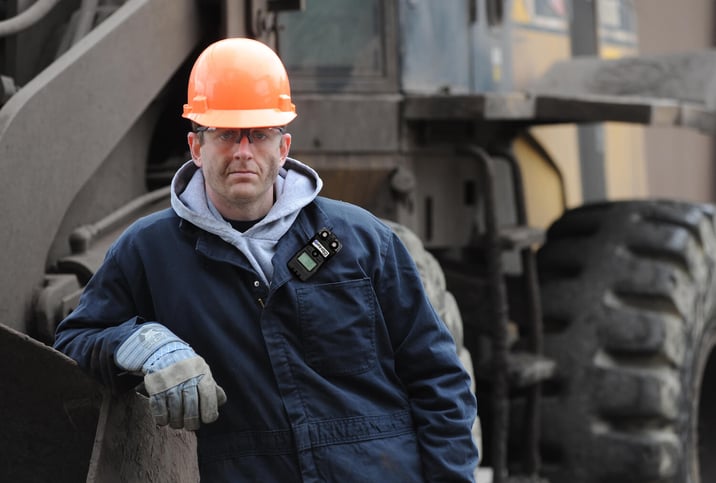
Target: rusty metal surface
pixel 130 447
pixel 49 409
pixel 60 127
pixel 60 425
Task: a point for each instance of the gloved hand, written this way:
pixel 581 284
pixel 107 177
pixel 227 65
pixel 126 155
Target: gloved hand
pixel 181 389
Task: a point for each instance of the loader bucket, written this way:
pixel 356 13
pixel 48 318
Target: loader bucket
pixel 57 424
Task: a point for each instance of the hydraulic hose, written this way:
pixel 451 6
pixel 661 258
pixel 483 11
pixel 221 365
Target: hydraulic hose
pixel 26 18
pixel 88 11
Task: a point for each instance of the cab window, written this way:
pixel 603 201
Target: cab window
pixel 335 43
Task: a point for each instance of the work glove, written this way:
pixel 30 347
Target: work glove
pixel 181 389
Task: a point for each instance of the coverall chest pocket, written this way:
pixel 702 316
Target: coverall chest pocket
pixel 338 326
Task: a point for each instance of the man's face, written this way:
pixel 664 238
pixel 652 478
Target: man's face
pixel 239 174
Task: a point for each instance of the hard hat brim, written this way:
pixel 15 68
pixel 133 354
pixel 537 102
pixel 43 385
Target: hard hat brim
pixel 242 118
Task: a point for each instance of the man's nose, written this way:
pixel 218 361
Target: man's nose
pixel 244 133
pixel 242 146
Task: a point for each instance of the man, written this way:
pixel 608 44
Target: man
pixel 305 317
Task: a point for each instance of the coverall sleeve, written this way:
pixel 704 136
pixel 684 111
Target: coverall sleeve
pixel 442 403
pixel 106 315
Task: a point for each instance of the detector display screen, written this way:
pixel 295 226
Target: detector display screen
pixel 307 262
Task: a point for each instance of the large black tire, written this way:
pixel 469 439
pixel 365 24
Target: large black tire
pixel 628 301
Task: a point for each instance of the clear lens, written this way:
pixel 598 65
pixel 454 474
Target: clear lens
pixel 257 136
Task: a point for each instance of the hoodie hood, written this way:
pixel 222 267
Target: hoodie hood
pixel 296 186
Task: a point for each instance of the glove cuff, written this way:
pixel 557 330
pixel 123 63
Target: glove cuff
pixel 143 342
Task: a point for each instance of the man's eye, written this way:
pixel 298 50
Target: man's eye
pixel 227 135
pixel 259 134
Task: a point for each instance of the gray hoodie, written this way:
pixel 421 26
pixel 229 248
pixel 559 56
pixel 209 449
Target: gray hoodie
pixel 296 186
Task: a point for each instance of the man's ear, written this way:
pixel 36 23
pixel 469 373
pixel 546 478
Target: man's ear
pixel 285 147
pixel 194 147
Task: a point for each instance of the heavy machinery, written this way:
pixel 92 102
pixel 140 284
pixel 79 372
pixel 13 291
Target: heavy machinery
pixel 469 123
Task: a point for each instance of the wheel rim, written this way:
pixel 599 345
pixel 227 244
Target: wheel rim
pixel 706 417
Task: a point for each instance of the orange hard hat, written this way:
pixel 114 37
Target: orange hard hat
pixel 239 83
